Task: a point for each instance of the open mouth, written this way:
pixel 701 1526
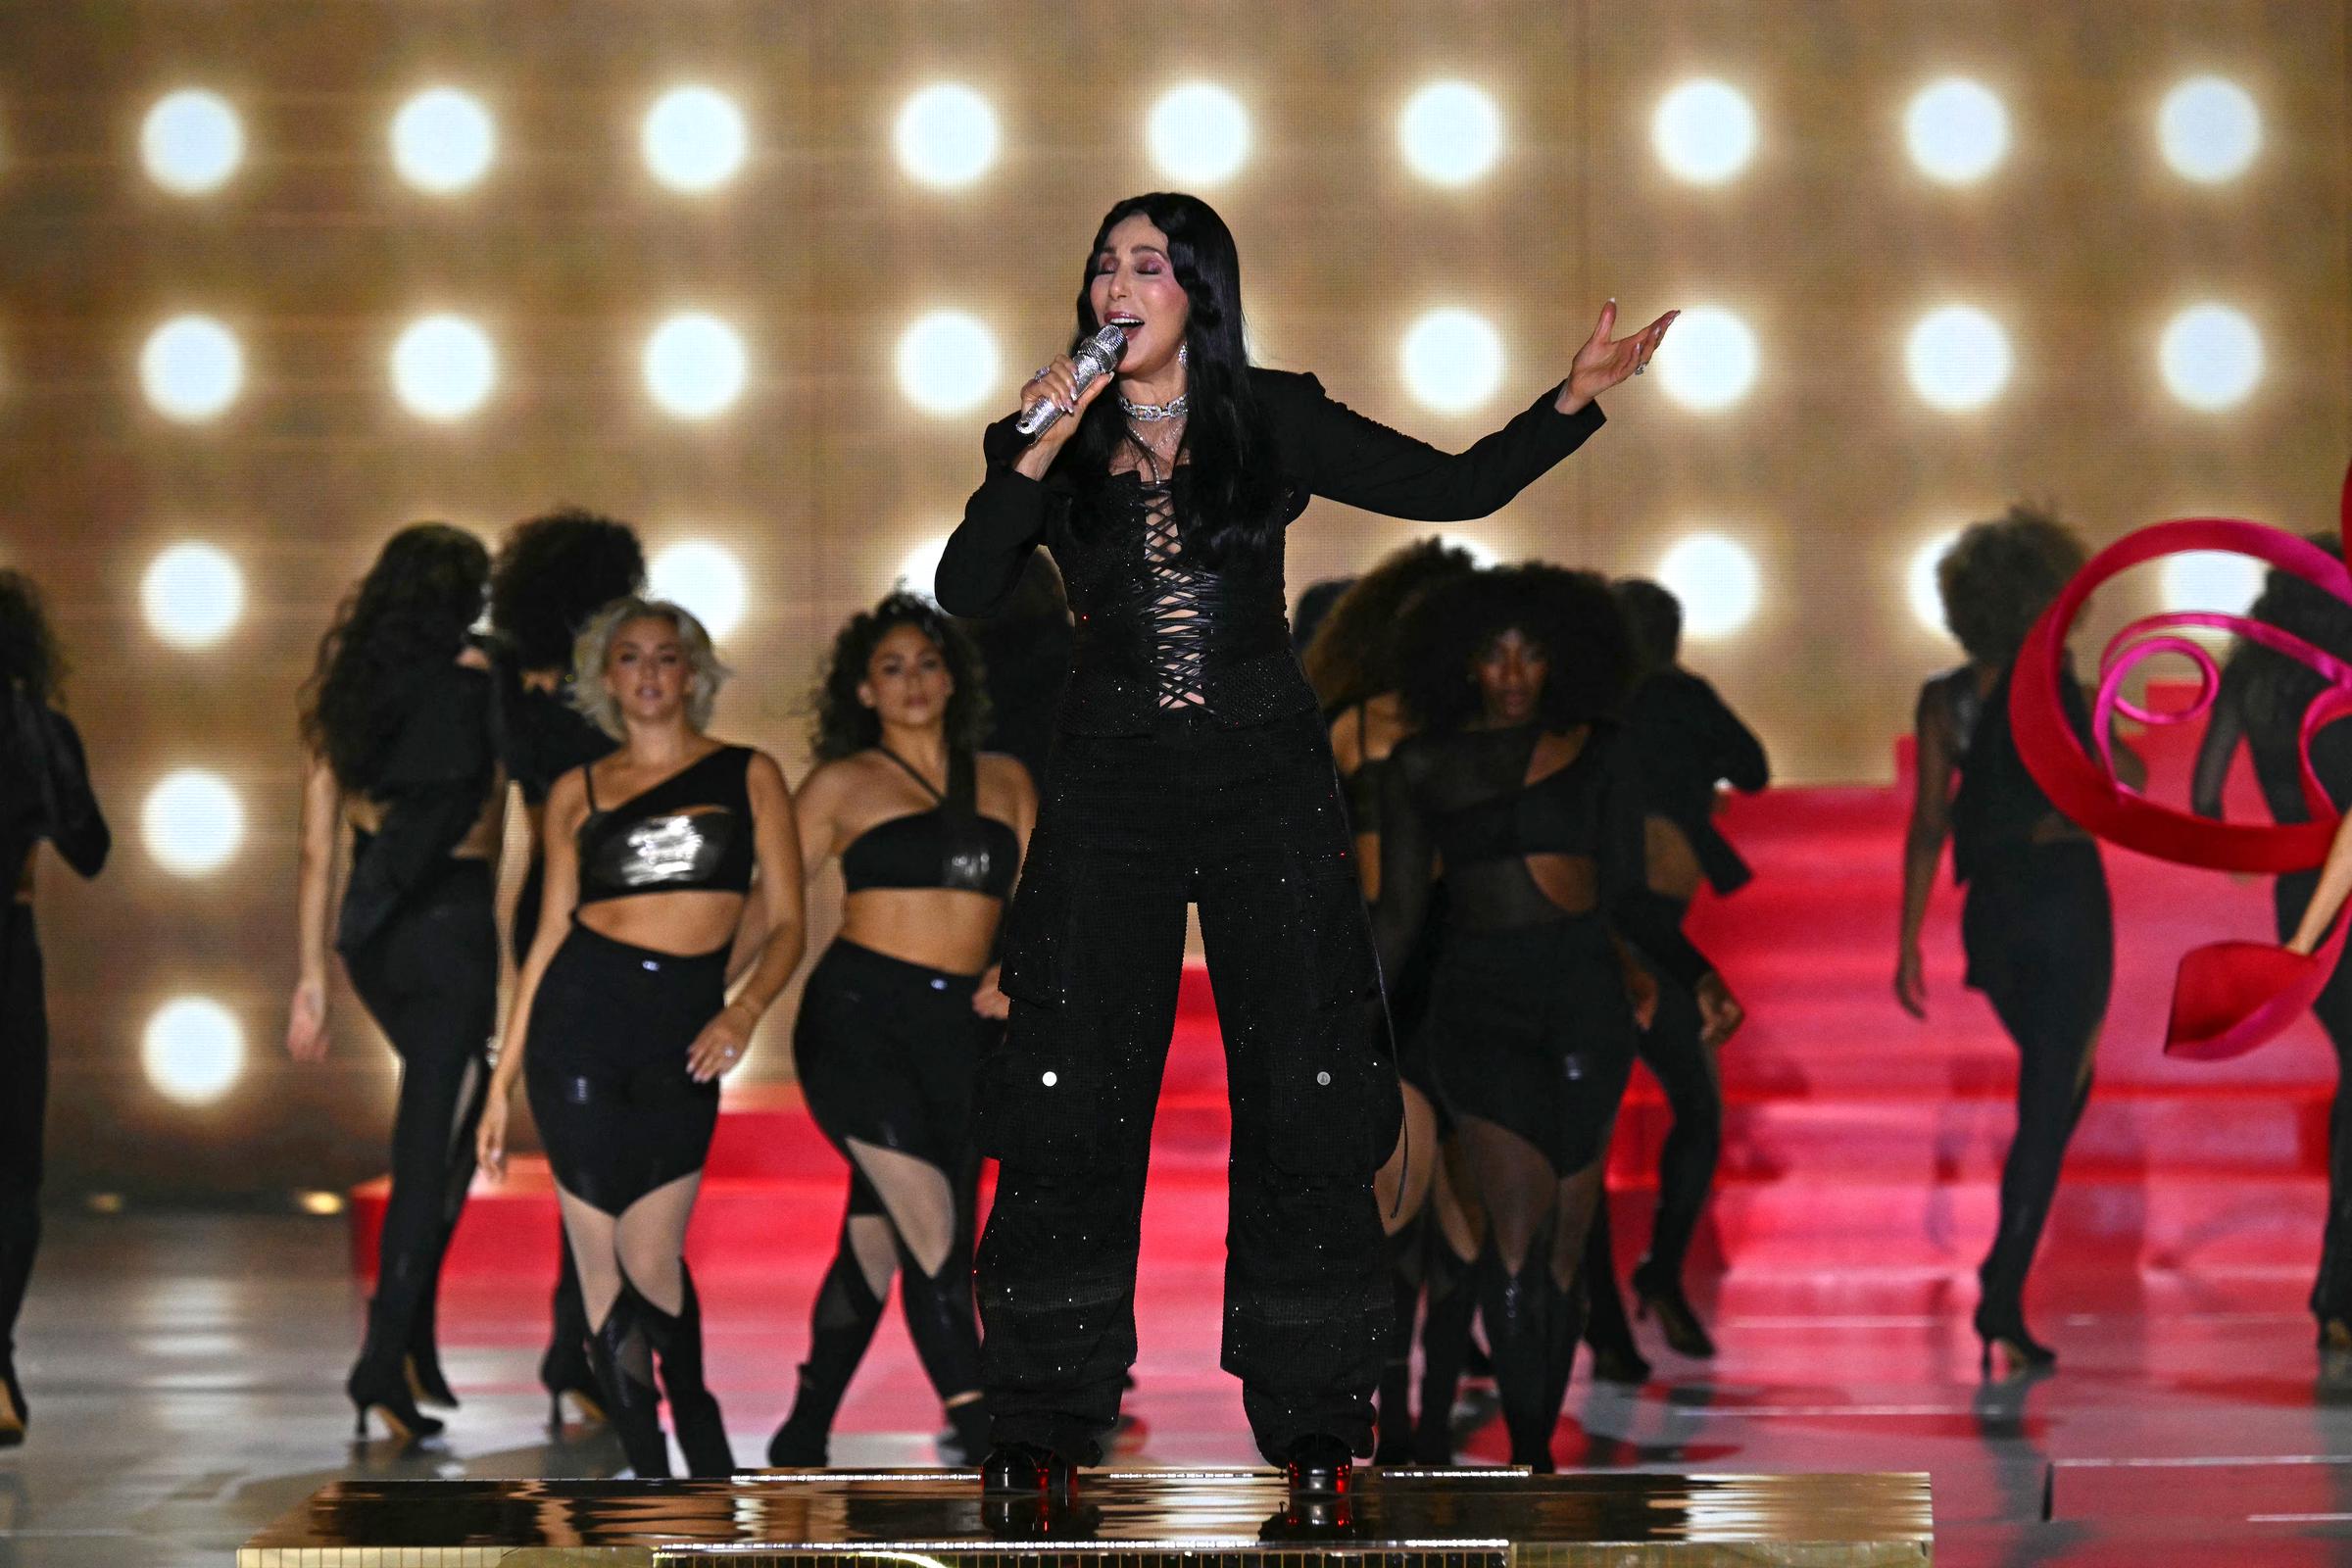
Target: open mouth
pixel 1123 322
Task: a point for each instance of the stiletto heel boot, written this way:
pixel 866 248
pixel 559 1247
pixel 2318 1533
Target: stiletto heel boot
pixel 1568 1311
pixel 422 1364
pixel 2007 1347
pixel 623 1353
pixel 565 1371
pixel 1517 1311
pixel 1661 1295
pixel 1392 1397
pixel 1445 1340
pixel 841 1326
pixel 379 1381
pixel 693 1408
pixel 1616 1358
pixel 14 1417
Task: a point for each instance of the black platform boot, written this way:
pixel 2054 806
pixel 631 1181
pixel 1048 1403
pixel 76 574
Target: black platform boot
pixel 1404 1250
pixel 693 1408
pixel 1517 1310
pixel 1616 1358
pixel 841 1327
pixel 379 1379
pixel 1452 1284
pixel 565 1371
pixel 623 1353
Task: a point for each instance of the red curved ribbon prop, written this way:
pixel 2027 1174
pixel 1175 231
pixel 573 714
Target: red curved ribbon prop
pixel 2227 997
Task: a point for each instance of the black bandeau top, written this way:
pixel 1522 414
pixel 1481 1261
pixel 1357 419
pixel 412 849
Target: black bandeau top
pixel 950 845
pixel 692 832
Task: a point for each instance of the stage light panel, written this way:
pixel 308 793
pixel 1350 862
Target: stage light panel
pixel 2210 357
pixel 1958 357
pixel 1703 131
pixel 2209 130
pixel 191 141
pixel 946 135
pixel 1920 590
pixel 1957 131
pixel 1450 133
pixel 192 822
pixel 2211 579
pixel 1715 578
pixel 1453 360
pixel 694 139
pixel 706 579
pixel 192 594
pixel 695 365
pixel 443 368
pixel 191 367
pixel 1198 134
pixel 947 363
pixel 193 1050
pixel 919 568
pixel 443 140
pixel 1708 361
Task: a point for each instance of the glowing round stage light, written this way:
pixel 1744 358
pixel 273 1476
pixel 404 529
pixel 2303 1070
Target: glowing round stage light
pixel 919 568
pixel 1709 360
pixel 1716 579
pixel 1957 131
pixel 2209 130
pixel 191 141
pixel 947 363
pixel 695 365
pixel 193 1050
pixel 192 822
pixel 2211 356
pixel 1198 133
pixel 443 140
pixel 1453 360
pixel 443 368
pixel 1482 554
pixel 191 367
pixel 1920 590
pixel 2211 579
pixel 694 139
pixel 1452 134
pixel 946 135
pixel 1703 131
pixel 706 579
pixel 1958 357
pixel 192 594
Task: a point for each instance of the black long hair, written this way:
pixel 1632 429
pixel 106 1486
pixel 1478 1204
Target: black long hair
pixel 1571 615
pixel 29 652
pixel 405 623
pixel 1236 489
pixel 845 726
pixel 553 573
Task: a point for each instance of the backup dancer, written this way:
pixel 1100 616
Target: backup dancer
pixel 44 794
pixel 621 1023
pixel 899 1008
pixel 1192 766
pixel 397 722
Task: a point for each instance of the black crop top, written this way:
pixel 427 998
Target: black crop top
pixel 950 845
pixel 692 832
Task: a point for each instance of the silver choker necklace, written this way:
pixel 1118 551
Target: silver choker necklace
pixel 1153 413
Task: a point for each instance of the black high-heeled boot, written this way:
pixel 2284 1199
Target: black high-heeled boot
pixel 1453 1286
pixel 1517 1310
pixel 1660 1295
pixel 1570 1314
pixel 840 1328
pixel 565 1370
pixel 423 1363
pixel 1616 1358
pixel 379 1379
pixel 1405 1252
pixel 694 1411
pixel 622 1351
pixel 2000 1324
pixel 15 1416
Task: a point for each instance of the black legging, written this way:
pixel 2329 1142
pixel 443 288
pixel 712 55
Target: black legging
pixel 2331 1291
pixel 23 1101
pixel 1678 1056
pixel 429 978
pixel 565 1365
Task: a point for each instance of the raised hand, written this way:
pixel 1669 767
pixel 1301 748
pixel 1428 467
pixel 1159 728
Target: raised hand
pixel 1604 361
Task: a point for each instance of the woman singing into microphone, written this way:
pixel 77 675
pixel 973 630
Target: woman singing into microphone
pixel 1192 767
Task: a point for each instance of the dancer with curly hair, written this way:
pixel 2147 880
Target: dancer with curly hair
pixel 44 794
pixel 552 574
pixel 901 1007
pixel 1521 785
pixel 2038 926
pixel 402 759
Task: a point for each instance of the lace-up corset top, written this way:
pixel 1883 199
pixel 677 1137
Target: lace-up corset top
pixel 950 845
pixel 692 832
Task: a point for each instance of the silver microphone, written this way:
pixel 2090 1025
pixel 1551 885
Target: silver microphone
pixel 1095 356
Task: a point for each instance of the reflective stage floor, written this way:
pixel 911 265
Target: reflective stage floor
pixel 185 1372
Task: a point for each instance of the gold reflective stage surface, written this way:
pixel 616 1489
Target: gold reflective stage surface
pixel 1486 1518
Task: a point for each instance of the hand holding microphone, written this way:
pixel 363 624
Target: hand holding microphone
pixel 1060 392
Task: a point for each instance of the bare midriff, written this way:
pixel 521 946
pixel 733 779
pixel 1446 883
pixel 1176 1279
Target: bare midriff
pixel 947 929
pixel 687 923
pixel 1674 868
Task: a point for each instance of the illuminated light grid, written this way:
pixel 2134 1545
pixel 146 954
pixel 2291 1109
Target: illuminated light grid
pixel 1957 131
pixel 1198 133
pixel 1703 131
pixel 2210 357
pixel 696 365
pixel 2209 130
pixel 1920 588
pixel 443 368
pixel 1453 360
pixel 1450 133
pixel 1709 360
pixel 193 1050
pixel 946 135
pixel 192 594
pixel 1718 582
pixel 947 363
pixel 703 577
pixel 191 141
pixel 694 139
pixel 192 822
pixel 1958 359
pixel 919 568
pixel 2211 579
pixel 191 369
pixel 443 140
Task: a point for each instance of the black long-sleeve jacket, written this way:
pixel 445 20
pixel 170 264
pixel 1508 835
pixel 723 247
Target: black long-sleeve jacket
pixel 1249 674
pixel 1688 741
pixel 45 792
